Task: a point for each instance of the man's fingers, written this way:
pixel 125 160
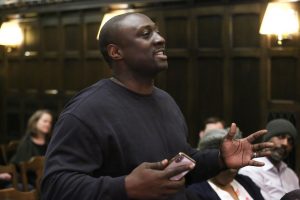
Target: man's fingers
pixel 172 188
pixel 256 163
pixel 173 171
pixel 157 165
pixel 263 154
pixel 251 138
pixel 231 133
pixel 261 146
pixel 175 185
pixel 165 171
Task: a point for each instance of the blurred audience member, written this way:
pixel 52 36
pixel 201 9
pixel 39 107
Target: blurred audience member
pixel 227 185
pixel 211 123
pixel 275 178
pixel 35 141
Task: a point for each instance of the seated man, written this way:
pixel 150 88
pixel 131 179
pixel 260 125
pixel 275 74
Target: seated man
pixel 275 178
pixel 210 124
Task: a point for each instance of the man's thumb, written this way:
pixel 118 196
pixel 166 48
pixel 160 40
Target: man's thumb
pixel 158 165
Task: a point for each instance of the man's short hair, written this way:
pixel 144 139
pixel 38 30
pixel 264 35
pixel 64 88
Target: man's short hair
pixel 109 34
pixel 213 120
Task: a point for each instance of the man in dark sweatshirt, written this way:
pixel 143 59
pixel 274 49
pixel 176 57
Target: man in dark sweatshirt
pixel 114 139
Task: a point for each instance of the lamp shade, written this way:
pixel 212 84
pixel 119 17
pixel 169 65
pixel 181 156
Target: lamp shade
pixel 280 19
pixel 11 34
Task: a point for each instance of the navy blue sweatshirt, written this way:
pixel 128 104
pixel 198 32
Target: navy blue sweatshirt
pixel 105 132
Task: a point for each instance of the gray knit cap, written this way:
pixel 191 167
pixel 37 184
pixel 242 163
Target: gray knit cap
pixel 278 127
pixel 213 138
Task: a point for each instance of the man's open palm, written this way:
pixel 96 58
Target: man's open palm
pixel 237 153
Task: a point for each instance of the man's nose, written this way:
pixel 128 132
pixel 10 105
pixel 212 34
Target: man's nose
pixel 284 141
pixel 158 39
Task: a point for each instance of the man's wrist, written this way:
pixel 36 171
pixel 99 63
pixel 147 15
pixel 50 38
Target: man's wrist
pixel 128 187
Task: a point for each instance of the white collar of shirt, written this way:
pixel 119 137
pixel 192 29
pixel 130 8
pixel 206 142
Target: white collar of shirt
pixel 239 190
pixel 269 166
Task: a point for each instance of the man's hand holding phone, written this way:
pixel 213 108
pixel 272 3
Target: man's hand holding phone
pixel 181 159
pixel 155 180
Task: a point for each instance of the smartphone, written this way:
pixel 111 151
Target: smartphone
pixel 178 160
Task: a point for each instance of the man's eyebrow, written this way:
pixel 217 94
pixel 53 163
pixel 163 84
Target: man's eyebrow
pixel 152 26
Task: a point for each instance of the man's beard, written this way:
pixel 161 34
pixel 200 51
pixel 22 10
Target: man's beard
pixel 279 154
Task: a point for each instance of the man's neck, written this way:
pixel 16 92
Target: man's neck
pixel 144 87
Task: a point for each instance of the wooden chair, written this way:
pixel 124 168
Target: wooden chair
pixel 3 157
pixel 36 165
pixel 11 169
pixel 13 194
pixel 8 150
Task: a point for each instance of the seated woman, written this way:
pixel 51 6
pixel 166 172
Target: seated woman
pixel 227 185
pixel 35 141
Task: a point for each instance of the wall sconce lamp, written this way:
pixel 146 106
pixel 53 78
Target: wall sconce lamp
pixel 11 35
pixel 280 19
pixel 115 10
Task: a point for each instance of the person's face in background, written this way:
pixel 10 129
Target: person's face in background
pixel 142 46
pixel 217 125
pixel 44 123
pixel 211 126
pixel 283 145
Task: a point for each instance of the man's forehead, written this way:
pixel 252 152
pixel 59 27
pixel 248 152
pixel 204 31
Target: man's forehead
pixel 137 21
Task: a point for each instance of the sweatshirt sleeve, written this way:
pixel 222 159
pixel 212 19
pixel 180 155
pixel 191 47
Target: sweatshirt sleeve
pixel 72 158
pixel 207 165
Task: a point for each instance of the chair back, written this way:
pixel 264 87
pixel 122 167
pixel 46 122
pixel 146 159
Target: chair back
pixel 13 194
pixel 3 157
pixel 8 150
pixel 11 169
pixel 36 165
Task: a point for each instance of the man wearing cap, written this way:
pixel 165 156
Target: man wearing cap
pixel 275 178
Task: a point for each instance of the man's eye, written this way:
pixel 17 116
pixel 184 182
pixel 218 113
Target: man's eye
pixel 281 136
pixel 146 34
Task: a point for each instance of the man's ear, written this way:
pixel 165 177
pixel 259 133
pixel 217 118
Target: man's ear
pixel 114 52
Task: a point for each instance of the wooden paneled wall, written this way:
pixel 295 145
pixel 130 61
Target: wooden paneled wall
pixel 215 56
pixel 219 65
pixel 59 57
